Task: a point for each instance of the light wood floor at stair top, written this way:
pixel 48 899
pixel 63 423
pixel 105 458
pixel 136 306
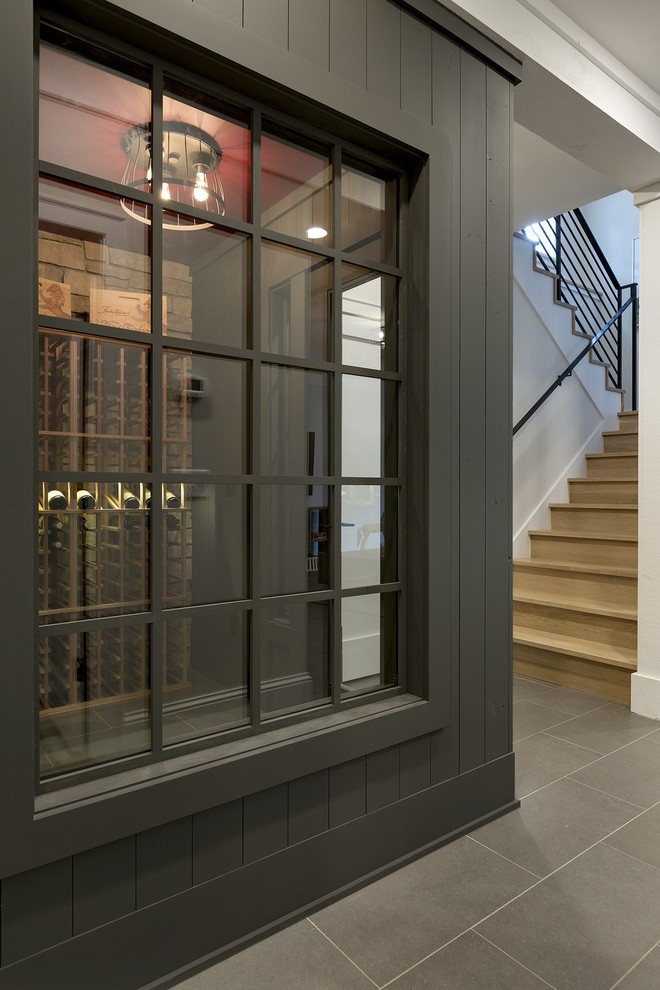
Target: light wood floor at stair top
pixel 614 656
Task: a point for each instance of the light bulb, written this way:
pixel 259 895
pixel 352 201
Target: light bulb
pixel 201 190
pixel 165 192
pixel 315 233
pixel 150 174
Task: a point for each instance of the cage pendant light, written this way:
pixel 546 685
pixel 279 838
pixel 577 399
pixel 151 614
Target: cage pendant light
pixel 191 158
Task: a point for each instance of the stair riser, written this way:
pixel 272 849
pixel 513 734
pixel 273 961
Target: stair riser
pixel 612 467
pixel 597 588
pixel 620 521
pixel 628 423
pixel 615 553
pixel 593 490
pixel 581 675
pixel 582 625
pixel 617 442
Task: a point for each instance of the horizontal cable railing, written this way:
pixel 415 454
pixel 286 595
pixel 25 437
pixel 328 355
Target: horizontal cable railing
pixel 565 247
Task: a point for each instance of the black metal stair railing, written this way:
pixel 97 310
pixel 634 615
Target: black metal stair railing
pixel 566 248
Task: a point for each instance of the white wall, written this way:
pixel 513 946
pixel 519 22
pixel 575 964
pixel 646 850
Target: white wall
pixel 550 448
pixel 615 222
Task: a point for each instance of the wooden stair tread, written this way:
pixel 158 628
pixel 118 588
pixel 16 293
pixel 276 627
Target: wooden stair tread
pixel 618 433
pixel 600 481
pixel 575 566
pixel 614 656
pixel 570 534
pixel 583 506
pixel 615 454
pixel 573 604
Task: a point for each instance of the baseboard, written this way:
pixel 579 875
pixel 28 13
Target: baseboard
pixel 645 695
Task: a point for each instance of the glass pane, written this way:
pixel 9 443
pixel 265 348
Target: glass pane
pixel 295 302
pixel 86 111
pixel 296 185
pixel 205 284
pixel 369 535
pixel 204 414
pixel 94 699
pixel 369 427
pixel 369 319
pixel 205 540
pixel 368 215
pixel 294 421
pixel 93 404
pixel 369 642
pixel 206 154
pixel 295 657
pixel 94 261
pixel 295 539
pixel 205 675
pixel 93 550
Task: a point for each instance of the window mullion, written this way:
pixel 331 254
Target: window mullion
pixel 336 433
pixel 255 537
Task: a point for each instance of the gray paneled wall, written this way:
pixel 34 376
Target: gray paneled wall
pixel 53 903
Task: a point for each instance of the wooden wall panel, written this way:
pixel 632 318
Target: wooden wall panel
pixel 382 778
pixel 472 426
pixel 384 50
pixel 414 766
pixel 36 910
pixel 308 806
pixel 347 792
pixel 309 30
pixel 217 837
pixel 265 823
pixel 232 10
pixel 498 670
pixel 416 79
pixel 104 886
pixel 164 861
pixel 348 41
pixel 269 19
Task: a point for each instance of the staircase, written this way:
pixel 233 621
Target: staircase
pixel 575 597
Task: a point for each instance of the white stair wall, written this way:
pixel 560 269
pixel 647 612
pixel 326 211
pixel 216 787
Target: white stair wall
pixel 550 448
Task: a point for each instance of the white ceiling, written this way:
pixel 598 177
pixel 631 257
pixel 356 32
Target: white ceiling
pixel 629 29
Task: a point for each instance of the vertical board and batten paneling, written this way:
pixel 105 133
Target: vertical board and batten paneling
pixel 36 910
pixel 308 806
pixel 104 886
pixel 347 792
pixel 269 19
pixel 498 671
pixel 414 766
pixel 472 411
pixel 416 59
pixel 309 30
pixel 348 41
pixel 265 823
pixel 382 778
pixel 232 10
pixel 384 51
pixel 217 837
pixel 164 861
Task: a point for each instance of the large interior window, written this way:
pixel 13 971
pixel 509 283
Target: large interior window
pixel 220 417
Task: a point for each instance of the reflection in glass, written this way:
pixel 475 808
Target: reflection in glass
pixel 368 215
pixel 94 699
pixel 205 674
pixel 93 550
pixel 93 404
pixel 205 279
pixel 85 109
pixel 295 539
pixel 368 319
pixel 204 414
pixel 368 535
pixel 295 287
pixel 294 421
pixel 205 544
pixel 295 661
pixel 296 182
pixel 94 262
pixel 369 427
pixel 369 642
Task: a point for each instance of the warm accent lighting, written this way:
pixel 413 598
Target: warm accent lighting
pixel 315 233
pixel 190 162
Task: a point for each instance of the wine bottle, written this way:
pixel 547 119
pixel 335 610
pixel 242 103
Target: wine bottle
pixel 85 499
pixel 172 501
pixel 131 501
pixel 56 499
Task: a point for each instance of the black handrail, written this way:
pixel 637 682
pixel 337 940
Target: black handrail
pixel 568 371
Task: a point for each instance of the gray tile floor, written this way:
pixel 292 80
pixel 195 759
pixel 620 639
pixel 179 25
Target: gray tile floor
pixel 562 893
